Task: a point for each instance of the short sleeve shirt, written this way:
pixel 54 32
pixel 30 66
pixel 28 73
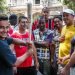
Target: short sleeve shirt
pixel 20 50
pixel 43 53
pixel 7 58
pixel 65 46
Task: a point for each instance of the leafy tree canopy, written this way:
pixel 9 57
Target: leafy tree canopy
pixel 2 5
pixel 70 3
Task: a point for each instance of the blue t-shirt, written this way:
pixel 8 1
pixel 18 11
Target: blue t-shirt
pixel 7 58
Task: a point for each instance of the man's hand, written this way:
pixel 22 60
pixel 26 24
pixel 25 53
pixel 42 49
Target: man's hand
pixel 45 43
pixel 30 52
pixel 37 65
pixel 63 59
pixel 64 71
pixel 15 70
pixel 29 45
pixel 60 60
pixel 61 38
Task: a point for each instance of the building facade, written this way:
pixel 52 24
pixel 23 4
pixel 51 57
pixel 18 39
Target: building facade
pixel 20 6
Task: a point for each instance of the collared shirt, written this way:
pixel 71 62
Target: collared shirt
pixel 56 35
pixel 43 53
pixel 65 46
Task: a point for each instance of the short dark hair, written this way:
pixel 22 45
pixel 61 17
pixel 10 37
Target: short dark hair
pixel 3 17
pixel 59 17
pixel 12 16
pixel 22 17
pixel 13 19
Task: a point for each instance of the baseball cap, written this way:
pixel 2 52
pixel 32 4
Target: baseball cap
pixel 69 11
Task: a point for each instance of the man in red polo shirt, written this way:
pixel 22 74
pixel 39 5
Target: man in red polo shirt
pixel 27 67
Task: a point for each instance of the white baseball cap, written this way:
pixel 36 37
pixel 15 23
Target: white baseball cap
pixel 69 11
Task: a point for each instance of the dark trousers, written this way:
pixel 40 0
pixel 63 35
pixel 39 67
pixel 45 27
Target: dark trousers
pixel 26 71
pixel 44 66
pixel 53 69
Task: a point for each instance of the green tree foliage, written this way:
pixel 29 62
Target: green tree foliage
pixel 2 5
pixel 70 3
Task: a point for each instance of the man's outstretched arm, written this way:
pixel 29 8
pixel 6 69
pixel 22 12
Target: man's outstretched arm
pixel 66 69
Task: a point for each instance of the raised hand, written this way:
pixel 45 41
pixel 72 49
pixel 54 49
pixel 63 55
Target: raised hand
pixel 30 52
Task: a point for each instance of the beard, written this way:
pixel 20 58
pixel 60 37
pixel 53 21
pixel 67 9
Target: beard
pixel 42 28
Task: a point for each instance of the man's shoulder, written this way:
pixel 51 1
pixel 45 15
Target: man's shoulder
pixel 7 41
pixel 15 34
pixel 36 31
pixel 1 43
pixel 49 31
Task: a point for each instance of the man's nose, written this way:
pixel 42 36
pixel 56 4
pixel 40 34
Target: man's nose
pixel 5 30
pixel 57 23
pixel 64 17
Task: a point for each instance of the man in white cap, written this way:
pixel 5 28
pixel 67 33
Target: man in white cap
pixel 68 32
pixel 69 11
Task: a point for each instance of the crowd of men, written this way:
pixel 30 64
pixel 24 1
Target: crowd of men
pixel 48 50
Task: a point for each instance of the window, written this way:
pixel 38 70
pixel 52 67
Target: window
pixel 13 2
pixel 37 1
